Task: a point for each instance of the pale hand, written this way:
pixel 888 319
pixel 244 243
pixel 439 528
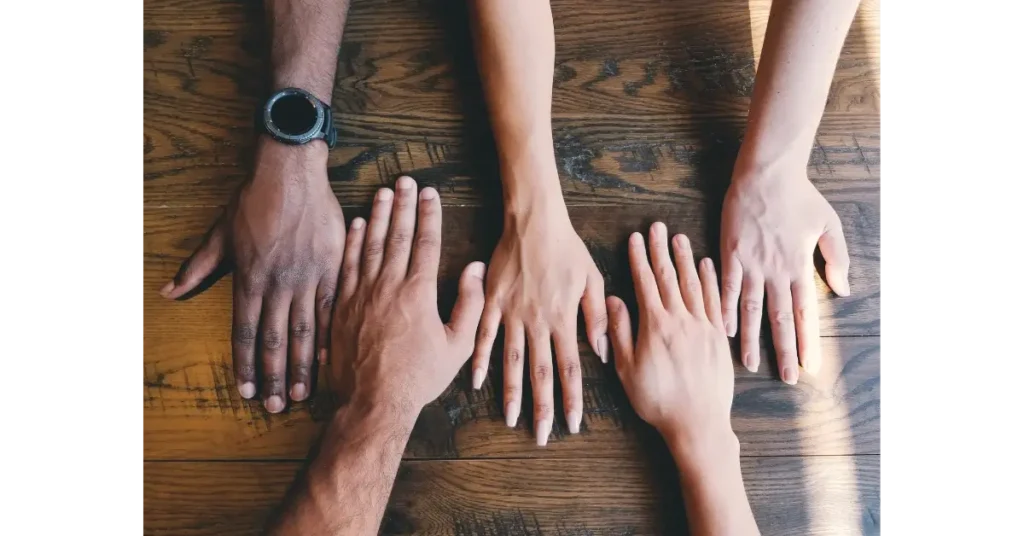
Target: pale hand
pixel 770 226
pixel 539 274
pixel 388 344
pixel 679 373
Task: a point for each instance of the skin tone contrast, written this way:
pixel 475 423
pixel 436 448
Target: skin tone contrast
pixel 386 351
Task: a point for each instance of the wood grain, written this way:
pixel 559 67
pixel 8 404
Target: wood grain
pixel 638 116
pixel 193 410
pixel 834 495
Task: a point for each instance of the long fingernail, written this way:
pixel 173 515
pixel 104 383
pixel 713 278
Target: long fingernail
pixel 602 348
pixel 247 389
pixel 298 392
pixel 574 418
pixel 322 356
pixel 511 414
pixel 543 431
pixel 789 375
pixel 274 404
pixel 478 378
pixel 750 362
pixel 404 183
pixel 166 289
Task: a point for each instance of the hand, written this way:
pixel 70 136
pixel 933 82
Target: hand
pixel 679 375
pixel 284 235
pixel 388 345
pixel 770 225
pixel 540 272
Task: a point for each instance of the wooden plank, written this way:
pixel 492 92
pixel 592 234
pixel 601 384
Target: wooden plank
pixel 834 495
pixel 638 116
pixel 193 410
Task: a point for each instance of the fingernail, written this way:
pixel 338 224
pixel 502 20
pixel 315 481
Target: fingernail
pixel 574 418
pixel 750 362
pixel 384 194
pixel 322 357
pixel 602 348
pixel 511 414
pixel 478 378
pixel 247 389
pixel 274 404
pixel 476 269
pixel 298 392
pixel 404 183
pixel 636 238
pixel 358 223
pixel 789 375
pixel 166 289
pixel 659 229
pixel 428 193
pixel 543 431
pixel 730 328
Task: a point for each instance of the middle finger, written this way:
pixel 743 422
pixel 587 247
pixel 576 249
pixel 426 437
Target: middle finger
pixel 274 347
pixel 542 382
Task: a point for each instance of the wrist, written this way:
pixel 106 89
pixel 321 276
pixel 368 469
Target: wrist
pixel 707 453
pixel 766 161
pixel 306 162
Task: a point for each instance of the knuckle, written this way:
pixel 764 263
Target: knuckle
pixel 274 383
pixel 731 286
pixel 512 393
pixel 244 335
pixel 301 370
pixel 245 371
pixel 571 370
pixel 542 373
pixel 301 330
pixel 751 306
pixel 693 287
pixel 327 300
pixel 782 317
pixel 543 410
pixel 428 240
pixel 400 237
pixel 272 339
pixel 374 249
pixel 513 356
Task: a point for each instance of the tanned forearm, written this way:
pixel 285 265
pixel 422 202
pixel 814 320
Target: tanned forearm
pixel 346 487
pixel 515 51
pixel 712 484
pixel 801 48
pixel 305 36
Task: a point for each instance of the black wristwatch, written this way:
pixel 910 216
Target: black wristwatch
pixel 294 116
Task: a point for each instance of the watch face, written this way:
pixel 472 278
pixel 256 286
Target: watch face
pixel 292 115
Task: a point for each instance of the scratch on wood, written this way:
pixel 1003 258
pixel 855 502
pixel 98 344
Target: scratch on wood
pixel 862 157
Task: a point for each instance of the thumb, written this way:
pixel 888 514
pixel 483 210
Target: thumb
pixel 837 258
pixel 621 332
pixel 468 307
pixel 200 265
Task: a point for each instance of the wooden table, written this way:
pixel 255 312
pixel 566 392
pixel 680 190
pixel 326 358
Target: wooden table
pixel 649 107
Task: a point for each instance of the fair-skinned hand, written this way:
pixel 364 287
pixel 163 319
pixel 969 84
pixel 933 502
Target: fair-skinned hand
pixel 771 222
pixel 283 235
pixel 388 344
pixel 679 373
pixel 539 274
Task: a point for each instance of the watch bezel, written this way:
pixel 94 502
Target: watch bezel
pixel 296 139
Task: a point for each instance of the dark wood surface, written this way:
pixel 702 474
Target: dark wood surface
pixel 649 106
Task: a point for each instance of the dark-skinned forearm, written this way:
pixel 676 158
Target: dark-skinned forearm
pixel 346 488
pixel 305 36
pixel 801 47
